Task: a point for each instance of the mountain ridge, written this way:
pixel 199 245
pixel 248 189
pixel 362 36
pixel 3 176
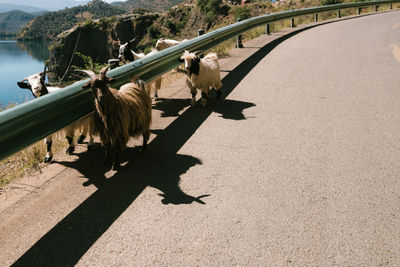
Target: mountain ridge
pixel 13 21
pixel 62 20
pixel 27 9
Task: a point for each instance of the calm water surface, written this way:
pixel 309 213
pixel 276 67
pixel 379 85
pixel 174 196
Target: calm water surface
pixel 17 61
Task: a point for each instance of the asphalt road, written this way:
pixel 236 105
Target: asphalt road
pixel 298 165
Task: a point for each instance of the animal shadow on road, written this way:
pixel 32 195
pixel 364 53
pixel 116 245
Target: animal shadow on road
pixel 159 167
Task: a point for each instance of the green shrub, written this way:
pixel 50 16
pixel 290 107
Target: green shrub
pixel 88 64
pixel 154 31
pixel 242 12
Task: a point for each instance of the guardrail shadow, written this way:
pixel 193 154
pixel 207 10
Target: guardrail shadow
pixel 159 167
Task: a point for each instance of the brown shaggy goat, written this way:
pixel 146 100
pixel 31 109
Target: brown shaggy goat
pixel 120 114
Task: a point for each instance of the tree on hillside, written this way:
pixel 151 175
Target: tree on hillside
pixel 212 9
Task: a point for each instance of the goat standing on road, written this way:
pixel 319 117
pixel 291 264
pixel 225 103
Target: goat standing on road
pixel 36 84
pixel 120 114
pixel 202 73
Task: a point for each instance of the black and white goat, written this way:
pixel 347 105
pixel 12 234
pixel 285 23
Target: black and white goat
pixel 202 73
pixel 126 55
pixel 37 85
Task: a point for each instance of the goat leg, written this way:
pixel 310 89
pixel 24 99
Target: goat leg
pixel 116 163
pixel 81 139
pixel 218 92
pixel 49 155
pixel 108 158
pixel 204 97
pixel 146 137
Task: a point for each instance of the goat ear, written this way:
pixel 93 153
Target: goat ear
pixel 87 85
pixel 23 85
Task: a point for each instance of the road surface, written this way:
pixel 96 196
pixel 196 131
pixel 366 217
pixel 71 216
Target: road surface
pixel 298 164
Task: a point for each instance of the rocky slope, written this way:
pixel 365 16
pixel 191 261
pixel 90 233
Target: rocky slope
pixel 97 39
pixel 154 5
pixel 100 39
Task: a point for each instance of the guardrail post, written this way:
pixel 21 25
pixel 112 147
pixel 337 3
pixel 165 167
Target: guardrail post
pixel 376 8
pixel 200 32
pixel 391 6
pixel 267 29
pixel 239 38
pixel 316 17
pixel 292 23
pixel 358 10
pixel 113 63
pixel 338 13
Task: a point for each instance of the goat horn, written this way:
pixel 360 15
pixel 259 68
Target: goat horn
pixel 43 74
pixel 198 52
pixel 89 73
pixel 132 40
pixel 103 72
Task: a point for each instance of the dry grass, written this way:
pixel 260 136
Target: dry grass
pixel 27 160
pixel 223 49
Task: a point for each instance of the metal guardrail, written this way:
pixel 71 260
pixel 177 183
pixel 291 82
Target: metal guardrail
pixel 30 122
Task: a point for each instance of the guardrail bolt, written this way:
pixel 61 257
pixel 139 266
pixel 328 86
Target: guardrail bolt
pixel 292 23
pixel 239 43
pixel 358 10
pixel 315 17
pixel 200 32
pixel 267 29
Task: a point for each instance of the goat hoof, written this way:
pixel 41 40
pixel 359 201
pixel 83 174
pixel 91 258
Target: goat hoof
pixel 108 164
pixel 115 167
pixel 81 139
pixel 70 150
pixel 90 147
pixel 48 159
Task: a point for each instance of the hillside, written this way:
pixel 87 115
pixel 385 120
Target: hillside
pixel 179 22
pixel 50 24
pixel 154 5
pixel 13 21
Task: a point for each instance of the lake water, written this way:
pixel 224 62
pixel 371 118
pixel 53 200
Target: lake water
pixel 17 61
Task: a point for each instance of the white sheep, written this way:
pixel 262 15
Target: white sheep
pixel 36 84
pixel 163 43
pixel 202 73
pixel 126 54
pixel 119 114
